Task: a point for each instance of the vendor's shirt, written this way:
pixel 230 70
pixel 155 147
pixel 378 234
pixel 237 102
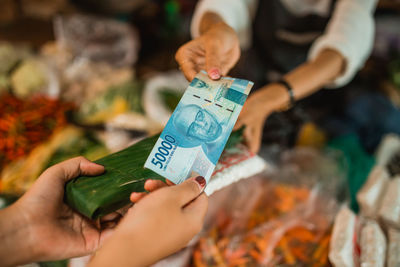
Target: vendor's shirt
pixel 288 32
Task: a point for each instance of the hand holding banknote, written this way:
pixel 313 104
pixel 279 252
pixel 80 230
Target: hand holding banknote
pixel 149 186
pixel 256 110
pixel 158 225
pixel 196 133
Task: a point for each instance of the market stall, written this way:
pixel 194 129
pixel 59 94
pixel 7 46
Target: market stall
pixel 100 80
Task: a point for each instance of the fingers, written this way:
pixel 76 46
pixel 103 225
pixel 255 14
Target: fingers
pixel 135 197
pixel 168 182
pixel 198 206
pixel 238 125
pixel 152 185
pixel 75 167
pixel 214 73
pixel 114 216
pixel 196 212
pixel 253 135
pixel 189 190
pixel 213 61
pixel 189 70
pixel 186 62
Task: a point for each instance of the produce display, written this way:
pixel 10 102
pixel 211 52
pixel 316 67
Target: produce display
pixel 24 124
pixel 269 237
pixel 279 217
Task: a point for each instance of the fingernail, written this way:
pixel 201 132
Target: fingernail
pixel 214 74
pixel 201 181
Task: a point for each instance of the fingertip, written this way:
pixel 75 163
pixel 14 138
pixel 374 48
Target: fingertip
pixel 200 181
pixel 90 168
pixel 254 145
pixel 190 189
pixel 148 185
pixel 152 185
pixel 214 73
pixel 132 198
pixel 135 197
pixel 168 182
pixel 190 75
pixel 237 126
pixel 98 166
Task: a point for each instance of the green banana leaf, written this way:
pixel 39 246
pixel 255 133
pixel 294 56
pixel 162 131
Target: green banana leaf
pixel 97 196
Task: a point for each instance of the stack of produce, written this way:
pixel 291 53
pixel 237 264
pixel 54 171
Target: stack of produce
pixel 26 123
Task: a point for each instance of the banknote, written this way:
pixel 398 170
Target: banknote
pixel 196 133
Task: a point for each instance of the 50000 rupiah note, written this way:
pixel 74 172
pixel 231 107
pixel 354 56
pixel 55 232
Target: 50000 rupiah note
pixel 196 134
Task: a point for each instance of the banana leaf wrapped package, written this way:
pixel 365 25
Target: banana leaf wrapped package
pixel 97 196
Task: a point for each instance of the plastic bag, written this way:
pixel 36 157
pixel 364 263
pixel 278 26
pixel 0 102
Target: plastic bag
pixel 283 217
pixel 373 245
pixel 98 39
pixel 343 249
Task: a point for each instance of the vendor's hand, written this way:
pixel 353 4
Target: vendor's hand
pixel 55 230
pixel 256 110
pixel 217 50
pixel 160 224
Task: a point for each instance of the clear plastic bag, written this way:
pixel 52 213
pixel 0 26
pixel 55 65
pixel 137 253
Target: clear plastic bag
pixel 98 39
pixel 284 217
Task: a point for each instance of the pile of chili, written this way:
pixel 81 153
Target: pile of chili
pixel 296 245
pixel 26 123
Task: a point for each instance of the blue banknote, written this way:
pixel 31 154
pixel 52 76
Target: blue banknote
pixel 196 133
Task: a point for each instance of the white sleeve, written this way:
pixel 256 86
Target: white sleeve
pixel 236 13
pixel 350 32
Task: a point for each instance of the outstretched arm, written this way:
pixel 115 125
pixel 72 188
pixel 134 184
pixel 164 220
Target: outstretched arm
pixel 305 80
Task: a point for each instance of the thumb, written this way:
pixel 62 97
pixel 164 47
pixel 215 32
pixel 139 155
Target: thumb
pixel 73 168
pixel 213 61
pixel 190 189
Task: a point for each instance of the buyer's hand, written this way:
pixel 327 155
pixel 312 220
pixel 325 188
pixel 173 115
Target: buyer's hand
pixel 150 186
pixel 43 227
pixel 160 224
pixel 217 50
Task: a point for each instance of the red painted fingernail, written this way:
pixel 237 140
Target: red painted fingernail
pixel 214 73
pixel 201 181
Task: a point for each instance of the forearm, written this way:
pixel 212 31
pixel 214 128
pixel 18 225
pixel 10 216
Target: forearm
pixel 15 247
pixel 314 75
pixel 305 80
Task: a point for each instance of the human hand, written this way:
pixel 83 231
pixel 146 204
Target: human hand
pixel 217 50
pixel 160 224
pixel 150 186
pixel 256 110
pixel 53 230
